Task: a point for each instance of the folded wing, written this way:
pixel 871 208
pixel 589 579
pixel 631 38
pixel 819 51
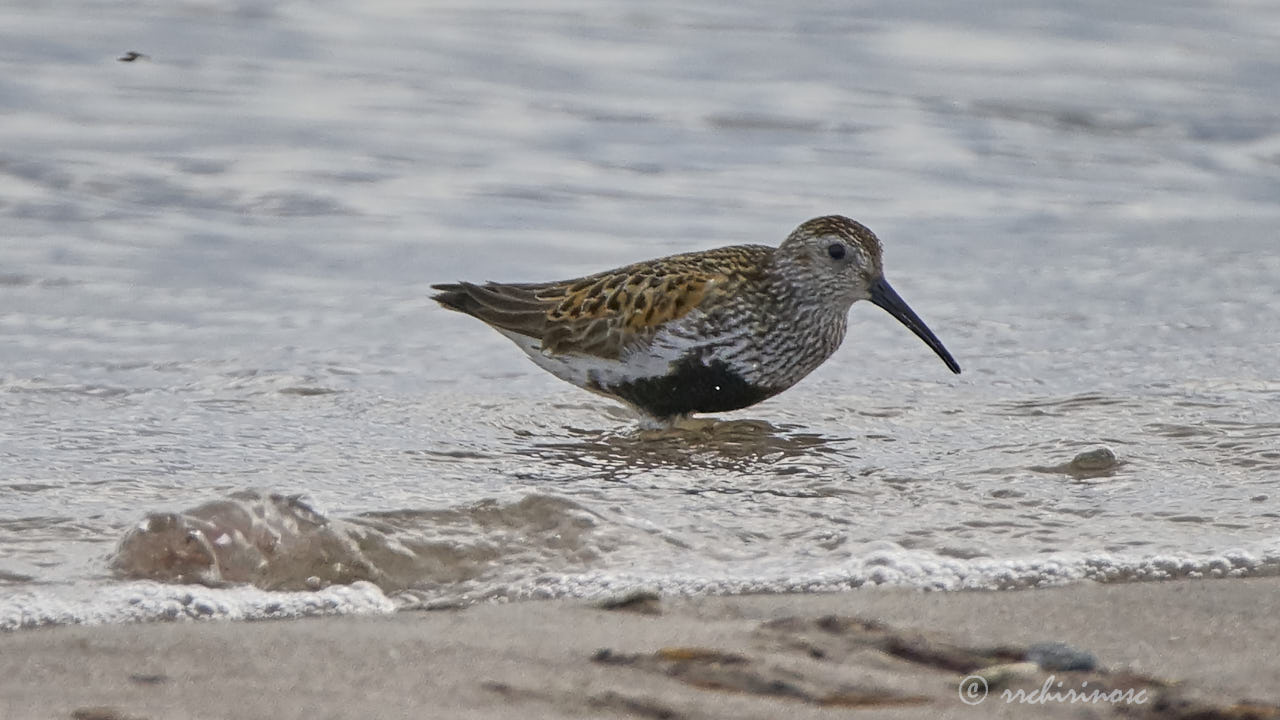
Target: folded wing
pixel 603 314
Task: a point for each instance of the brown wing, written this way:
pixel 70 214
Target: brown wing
pixel 601 314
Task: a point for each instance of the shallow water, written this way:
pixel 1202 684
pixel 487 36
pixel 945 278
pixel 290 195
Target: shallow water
pixel 214 274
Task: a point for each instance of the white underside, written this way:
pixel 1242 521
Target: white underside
pixel 735 345
pixel 653 360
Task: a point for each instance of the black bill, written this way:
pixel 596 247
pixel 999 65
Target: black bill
pixel 884 296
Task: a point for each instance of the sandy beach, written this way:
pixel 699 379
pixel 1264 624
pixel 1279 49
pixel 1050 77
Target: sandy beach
pixel 1203 649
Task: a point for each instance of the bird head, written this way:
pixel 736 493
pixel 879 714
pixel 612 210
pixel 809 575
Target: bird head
pixel 837 261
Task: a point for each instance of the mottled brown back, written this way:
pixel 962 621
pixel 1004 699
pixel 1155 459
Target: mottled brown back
pixel 601 314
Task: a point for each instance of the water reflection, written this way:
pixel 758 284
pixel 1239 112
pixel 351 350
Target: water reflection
pixel 738 446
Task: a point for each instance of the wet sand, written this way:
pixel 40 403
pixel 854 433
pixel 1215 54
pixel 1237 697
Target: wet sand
pixel 1205 649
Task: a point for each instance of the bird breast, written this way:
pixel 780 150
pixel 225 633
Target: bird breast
pixel 766 349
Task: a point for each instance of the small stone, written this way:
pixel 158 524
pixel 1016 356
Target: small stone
pixel 1090 464
pixel 1061 656
pixel 1102 458
pixel 645 602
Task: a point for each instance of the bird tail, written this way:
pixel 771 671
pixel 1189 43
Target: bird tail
pixel 452 296
pixel 508 307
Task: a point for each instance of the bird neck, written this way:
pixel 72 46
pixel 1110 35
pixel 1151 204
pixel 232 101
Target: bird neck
pixel 802 332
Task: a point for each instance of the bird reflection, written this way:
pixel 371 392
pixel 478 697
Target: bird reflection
pixel 739 446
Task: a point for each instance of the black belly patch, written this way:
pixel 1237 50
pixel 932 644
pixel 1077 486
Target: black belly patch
pixel 691 387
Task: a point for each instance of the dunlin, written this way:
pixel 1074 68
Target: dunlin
pixel 706 331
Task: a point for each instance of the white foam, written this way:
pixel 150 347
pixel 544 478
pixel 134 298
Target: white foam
pixel 909 568
pixel 144 601
pixel 880 564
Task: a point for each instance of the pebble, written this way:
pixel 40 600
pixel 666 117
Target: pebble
pixel 1102 458
pixel 1061 656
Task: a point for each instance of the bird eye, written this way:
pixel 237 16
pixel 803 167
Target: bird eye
pixel 836 251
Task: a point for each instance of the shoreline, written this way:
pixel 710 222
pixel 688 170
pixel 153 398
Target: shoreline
pixel 1194 646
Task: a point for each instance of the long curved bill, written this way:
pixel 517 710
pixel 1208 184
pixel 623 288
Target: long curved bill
pixel 885 296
